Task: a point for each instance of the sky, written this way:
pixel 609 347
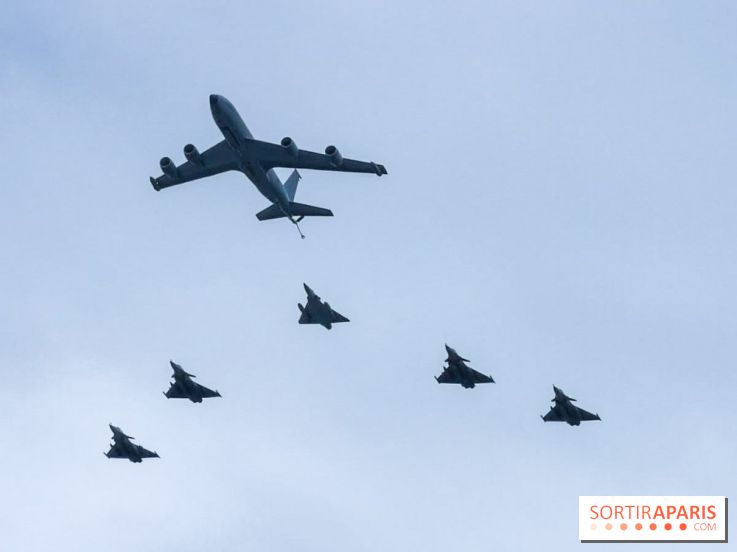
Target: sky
pixel 559 208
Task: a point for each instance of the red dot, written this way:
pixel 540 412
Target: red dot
pixel 638 526
pixel 668 526
pixel 653 527
pixel 623 527
pixel 683 526
pixel 608 526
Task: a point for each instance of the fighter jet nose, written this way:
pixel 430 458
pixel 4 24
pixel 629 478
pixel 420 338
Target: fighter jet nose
pixel 214 100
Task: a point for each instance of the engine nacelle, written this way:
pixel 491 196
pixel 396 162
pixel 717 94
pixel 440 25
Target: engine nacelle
pixel 288 144
pixel 336 159
pixel 192 155
pixel 168 166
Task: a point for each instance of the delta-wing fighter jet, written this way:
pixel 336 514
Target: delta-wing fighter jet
pixel 565 411
pixel 184 388
pixel 458 372
pixel 257 160
pixel 317 312
pixel 122 447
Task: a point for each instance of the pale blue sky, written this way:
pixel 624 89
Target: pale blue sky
pixel 559 208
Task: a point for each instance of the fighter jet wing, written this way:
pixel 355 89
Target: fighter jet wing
pixel 587 416
pixel 175 392
pixel 273 155
pixel 478 377
pixel 219 158
pixel 337 317
pixel 116 452
pixel 448 376
pixel 305 317
pixel 206 393
pixel 144 453
pixel 553 416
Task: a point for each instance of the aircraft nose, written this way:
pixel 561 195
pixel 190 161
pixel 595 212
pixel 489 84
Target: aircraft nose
pixel 216 106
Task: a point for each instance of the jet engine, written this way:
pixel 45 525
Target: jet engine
pixel 168 166
pixel 192 155
pixel 336 159
pixel 288 144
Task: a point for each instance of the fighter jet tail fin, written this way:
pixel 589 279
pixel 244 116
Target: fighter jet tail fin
pixel 290 186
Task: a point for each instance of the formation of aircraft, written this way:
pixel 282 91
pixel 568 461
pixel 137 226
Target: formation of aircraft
pixel 458 371
pixel 565 411
pixel 184 388
pixel 317 312
pixel 240 151
pixel 122 447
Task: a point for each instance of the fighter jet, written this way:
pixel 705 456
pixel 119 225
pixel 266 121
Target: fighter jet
pixel 256 159
pixel 184 388
pixel 458 372
pixel 317 312
pixel 123 448
pixel 565 411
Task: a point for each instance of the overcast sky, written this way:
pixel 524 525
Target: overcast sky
pixel 560 208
